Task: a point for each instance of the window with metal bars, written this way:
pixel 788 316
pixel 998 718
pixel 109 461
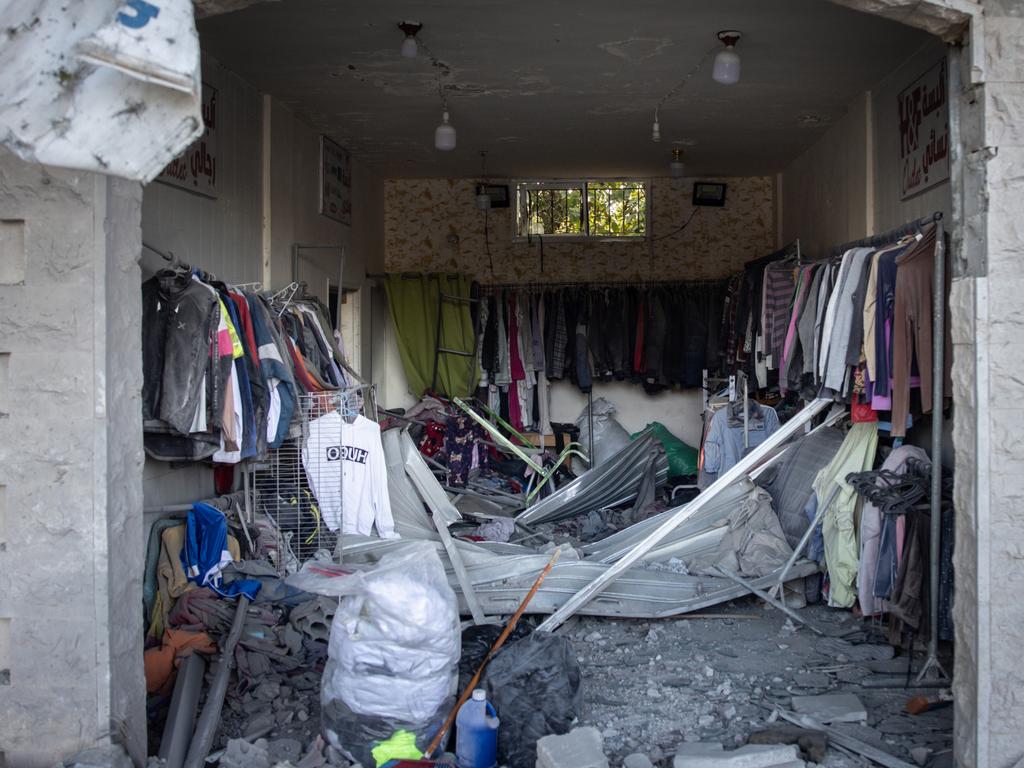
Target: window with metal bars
pixel 611 210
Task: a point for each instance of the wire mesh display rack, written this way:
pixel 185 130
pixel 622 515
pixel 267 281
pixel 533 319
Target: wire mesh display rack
pixel 292 524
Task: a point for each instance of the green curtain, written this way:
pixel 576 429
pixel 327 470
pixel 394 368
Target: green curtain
pixel 413 301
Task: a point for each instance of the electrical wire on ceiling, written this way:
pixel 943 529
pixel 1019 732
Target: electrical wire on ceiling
pixel 656 128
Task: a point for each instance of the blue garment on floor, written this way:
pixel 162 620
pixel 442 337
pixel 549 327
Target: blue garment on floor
pixel 206 545
pixel 247 587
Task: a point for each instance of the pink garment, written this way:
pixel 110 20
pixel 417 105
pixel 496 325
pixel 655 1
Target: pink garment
pixel 884 402
pixel 787 349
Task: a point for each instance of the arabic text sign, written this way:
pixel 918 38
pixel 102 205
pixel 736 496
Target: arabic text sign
pixel 924 132
pixel 195 169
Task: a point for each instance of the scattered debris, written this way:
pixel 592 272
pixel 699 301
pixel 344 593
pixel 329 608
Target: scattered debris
pixel 812 744
pixel 580 748
pixel 831 708
pixel 704 754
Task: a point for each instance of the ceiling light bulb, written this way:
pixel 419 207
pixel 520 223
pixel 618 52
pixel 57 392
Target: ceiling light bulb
pixel 727 62
pixel 409 45
pixel 444 134
pixel 656 131
pixel 675 168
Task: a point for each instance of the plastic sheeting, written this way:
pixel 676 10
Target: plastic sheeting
pixel 110 86
pixel 393 652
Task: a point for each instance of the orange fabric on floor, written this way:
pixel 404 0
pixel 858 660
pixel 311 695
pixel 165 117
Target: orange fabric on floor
pixel 161 663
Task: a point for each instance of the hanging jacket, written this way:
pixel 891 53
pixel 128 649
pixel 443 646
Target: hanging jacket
pixel 282 394
pixel 178 322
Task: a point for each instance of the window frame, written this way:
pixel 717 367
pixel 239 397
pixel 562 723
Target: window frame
pixel 525 185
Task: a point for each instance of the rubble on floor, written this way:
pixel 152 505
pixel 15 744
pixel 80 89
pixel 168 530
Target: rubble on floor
pixel 650 686
pixel 682 690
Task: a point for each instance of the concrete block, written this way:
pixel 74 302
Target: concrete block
pixel 831 708
pixel 1004 39
pixel 812 743
pixel 703 754
pixel 12 251
pixel 1004 114
pixel 637 760
pixel 580 748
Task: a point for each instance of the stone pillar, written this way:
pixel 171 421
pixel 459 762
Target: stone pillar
pixel 988 326
pixel 71 549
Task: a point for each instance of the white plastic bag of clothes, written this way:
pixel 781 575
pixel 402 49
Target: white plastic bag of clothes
pixel 610 437
pixel 394 649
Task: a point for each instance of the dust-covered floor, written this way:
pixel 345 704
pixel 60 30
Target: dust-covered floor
pixel 649 685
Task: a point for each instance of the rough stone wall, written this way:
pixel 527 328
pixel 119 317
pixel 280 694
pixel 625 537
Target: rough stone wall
pixel 122 400
pixel 69 464
pixel 420 216
pixel 988 317
pixel 1001 680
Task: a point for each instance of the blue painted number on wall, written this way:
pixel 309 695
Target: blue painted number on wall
pixel 144 12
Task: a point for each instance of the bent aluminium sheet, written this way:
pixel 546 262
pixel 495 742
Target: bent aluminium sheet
pixel 615 482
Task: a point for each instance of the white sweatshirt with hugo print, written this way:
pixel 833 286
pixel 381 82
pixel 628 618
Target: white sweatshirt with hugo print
pixel 347 473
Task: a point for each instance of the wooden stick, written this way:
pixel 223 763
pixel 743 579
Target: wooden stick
pixel 490 653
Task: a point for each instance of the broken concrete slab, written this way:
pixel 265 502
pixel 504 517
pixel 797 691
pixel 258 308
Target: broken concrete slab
pixel 831 708
pixel 108 756
pixel 637 760
pixel 240 753
pixel 703 754
pixel 812 744
pixel 580 748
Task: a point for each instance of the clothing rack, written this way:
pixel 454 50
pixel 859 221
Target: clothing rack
pixel 787 251
pixel 910 228
pixel 553 285
pixel 932 669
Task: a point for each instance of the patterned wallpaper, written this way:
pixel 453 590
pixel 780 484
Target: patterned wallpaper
pixel 432 225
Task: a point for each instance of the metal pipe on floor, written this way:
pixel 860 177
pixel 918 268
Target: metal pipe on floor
pixel 209 720
pixel 181 716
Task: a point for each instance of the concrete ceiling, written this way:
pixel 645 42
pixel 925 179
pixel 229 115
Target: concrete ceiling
pixel 562 87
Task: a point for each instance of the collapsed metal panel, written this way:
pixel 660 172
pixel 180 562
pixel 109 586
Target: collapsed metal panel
pixel 742 469
pixel 501 581
pixel 610 484
pixel 702 531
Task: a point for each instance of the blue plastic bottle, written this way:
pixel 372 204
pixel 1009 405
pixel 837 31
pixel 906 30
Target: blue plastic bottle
pixel 476 740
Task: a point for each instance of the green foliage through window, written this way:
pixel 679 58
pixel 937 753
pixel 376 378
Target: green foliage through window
pixel 617 208
pixel 600 209
pixel 555 211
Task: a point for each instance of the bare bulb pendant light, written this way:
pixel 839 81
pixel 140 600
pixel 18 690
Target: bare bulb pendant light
pixel 675 168
pixel 727 62
pixel 444 134
pixel 656 128
pixel 409 46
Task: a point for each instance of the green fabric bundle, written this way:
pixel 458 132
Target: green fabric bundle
pixel 682 459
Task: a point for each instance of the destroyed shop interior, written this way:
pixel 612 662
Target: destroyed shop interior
pixel 524 385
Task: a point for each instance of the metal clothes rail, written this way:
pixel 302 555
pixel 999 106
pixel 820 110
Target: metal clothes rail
pixel 598 284
pixel 910 228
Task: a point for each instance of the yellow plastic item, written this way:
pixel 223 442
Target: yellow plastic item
pixel 401 746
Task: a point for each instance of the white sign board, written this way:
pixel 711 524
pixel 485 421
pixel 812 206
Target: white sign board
pixel 195 169
pixel 924 132
pixel 335 181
